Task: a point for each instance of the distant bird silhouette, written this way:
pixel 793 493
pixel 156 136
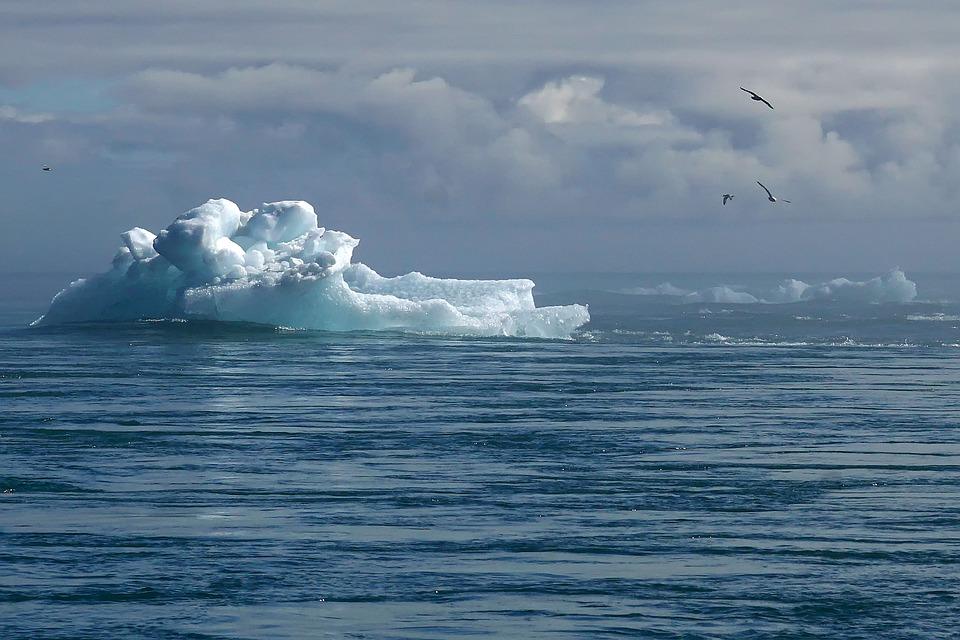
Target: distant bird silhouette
pixel 770 195
pixel 754 96
pixel 46 168
pixel 726 197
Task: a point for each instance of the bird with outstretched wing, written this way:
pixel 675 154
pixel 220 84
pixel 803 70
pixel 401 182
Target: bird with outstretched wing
pixel 757 97
pixel 770 195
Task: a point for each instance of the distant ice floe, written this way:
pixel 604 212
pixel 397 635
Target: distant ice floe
pixel 890 287
pixel 275 265
pixel 933 317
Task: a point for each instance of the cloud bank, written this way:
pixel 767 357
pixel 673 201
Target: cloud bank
pixel 555 121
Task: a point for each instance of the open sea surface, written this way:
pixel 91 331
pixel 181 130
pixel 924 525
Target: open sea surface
pixel 677 470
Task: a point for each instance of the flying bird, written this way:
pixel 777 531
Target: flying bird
pixel 46 168
pixel 758 98
pixel 726 197
pixel 770 195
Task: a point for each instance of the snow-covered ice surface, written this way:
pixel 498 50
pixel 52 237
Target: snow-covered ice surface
pixel 275 265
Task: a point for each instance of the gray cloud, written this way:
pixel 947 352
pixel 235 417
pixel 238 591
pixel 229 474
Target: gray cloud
pixel 495 125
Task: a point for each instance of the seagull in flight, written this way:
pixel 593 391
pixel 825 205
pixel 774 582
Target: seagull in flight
pixel 47 168
pixel 770 195
pixel 726 197
pixel 758 98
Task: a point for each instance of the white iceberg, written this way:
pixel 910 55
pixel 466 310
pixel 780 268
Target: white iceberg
pixel 892 287
pixel 275 265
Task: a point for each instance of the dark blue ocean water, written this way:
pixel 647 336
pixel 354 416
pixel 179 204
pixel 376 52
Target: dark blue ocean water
pixel 675 471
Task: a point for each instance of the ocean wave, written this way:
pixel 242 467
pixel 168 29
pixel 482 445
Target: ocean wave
pixel 275 266
pixel 716 339
pixel 721 340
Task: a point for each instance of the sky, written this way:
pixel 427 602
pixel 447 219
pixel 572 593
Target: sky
pixel 497 137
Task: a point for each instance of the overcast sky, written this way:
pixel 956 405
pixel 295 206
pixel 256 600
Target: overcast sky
pixel 495 137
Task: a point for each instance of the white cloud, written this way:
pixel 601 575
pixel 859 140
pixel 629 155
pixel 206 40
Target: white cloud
pixel 537 111
pixel 565 146
pixel 15 115
pixel 576 100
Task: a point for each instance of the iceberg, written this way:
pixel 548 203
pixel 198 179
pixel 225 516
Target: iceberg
pixel 275 265
pixel 892 287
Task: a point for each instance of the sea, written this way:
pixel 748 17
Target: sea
pixel 680 468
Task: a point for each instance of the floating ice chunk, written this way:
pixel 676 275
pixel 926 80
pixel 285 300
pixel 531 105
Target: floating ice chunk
pixel 192 244
pixel 934 317
pixel 275 266
pixel 142 289
pixel 281 221
pixel 226 257
pixel 722 294
pixel 662 289
pixel 122 259
pixel 320 266
pixel 890 287
pixel 139 242
pixel 254 259
pixel 468 295
pixel 893 286
pixel 304 298
pixel 790 290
